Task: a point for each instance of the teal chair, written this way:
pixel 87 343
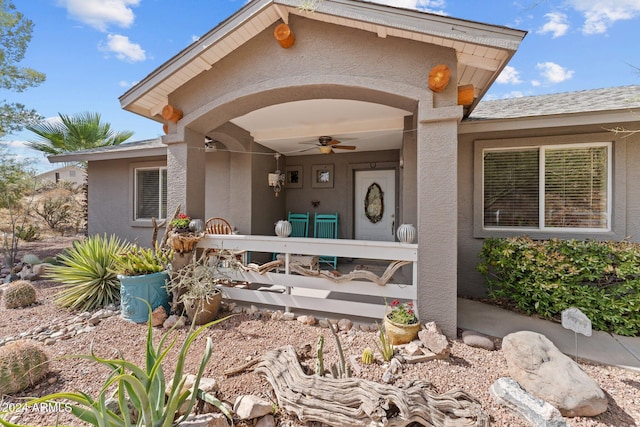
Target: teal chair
pixel 299 224
pixel 325 226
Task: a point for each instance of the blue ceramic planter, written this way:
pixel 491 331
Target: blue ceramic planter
pixel 135 290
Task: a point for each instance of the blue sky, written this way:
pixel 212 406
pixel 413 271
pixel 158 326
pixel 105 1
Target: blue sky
pixel 92 51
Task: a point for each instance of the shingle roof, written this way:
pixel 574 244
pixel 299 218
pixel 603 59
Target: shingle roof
pixel 606 99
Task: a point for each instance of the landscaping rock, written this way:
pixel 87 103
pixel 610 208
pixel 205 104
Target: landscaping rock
pixel 478 340
pixel 538 413
pixel 345 324
pixel 266 421
pixel 434 340
pixel 206 420
pixel 248 407
pixel 542 370
pixel 158 316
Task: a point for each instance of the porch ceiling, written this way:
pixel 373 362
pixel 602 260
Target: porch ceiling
pixel 293 128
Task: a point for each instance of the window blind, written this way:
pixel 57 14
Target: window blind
pixel 148 193
pixel 511 188
pixel 575 187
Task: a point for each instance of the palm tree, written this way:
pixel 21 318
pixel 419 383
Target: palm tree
pixel 74 133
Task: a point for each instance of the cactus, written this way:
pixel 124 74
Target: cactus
pixel 31 259
pixel 22 364
pixel 342 370
pixel 320 359
pixel 367 356
pixel 20 293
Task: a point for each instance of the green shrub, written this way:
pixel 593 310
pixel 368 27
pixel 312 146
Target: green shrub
pixel 602 279
pixel 30 233
pixel 86 273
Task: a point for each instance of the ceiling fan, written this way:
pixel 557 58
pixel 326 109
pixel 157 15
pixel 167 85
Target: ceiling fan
pixel 326 145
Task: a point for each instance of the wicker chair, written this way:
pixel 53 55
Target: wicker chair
pixel 217 225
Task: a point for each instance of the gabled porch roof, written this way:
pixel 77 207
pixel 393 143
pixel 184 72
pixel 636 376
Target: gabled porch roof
pixel 482 50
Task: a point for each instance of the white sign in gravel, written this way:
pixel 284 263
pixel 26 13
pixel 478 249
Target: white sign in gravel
pixel 577 321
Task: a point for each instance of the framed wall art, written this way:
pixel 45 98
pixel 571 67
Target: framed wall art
pixel 293 177
pixel 322 176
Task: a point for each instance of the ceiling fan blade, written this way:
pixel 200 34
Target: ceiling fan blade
pixel 345 147
pixel 333 142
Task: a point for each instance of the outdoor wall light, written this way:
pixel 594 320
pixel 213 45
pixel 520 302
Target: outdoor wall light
pixel 276 179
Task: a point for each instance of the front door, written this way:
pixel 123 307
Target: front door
pixel 375 205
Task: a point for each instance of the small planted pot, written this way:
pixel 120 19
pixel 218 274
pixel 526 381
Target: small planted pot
pixel 399 333
pixel 201 310
pixel 137 291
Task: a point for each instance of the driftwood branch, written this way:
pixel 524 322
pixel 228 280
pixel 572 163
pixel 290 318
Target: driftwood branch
pixel 358 402
pixel 354 275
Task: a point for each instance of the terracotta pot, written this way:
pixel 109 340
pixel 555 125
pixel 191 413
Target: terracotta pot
pixel 397 333
pixel 203 310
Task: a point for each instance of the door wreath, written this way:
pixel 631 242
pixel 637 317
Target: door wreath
pixel 374 203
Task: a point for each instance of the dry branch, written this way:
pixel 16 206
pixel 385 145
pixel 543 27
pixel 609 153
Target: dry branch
pixel 358 402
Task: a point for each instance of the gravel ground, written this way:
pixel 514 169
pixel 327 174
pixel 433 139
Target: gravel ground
pixel 246 337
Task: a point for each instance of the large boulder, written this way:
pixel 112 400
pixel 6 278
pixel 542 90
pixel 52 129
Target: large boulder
pixel 542 370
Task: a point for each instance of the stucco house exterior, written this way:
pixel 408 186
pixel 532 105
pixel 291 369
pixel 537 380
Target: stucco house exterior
pixel 236 105
pixel 69 173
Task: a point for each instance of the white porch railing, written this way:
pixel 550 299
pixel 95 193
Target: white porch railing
pixel 317 293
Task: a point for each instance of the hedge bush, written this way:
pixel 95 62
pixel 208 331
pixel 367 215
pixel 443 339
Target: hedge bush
pixel 546 277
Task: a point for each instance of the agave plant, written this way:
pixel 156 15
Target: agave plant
pixel 143 388
pixel 86 273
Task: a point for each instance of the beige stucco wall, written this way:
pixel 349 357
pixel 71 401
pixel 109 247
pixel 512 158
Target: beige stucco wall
pixel 111 189
pixel 625 203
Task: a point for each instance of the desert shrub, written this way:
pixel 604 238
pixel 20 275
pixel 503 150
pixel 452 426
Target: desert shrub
pixel 28 233
pixel 602 279
pixel 86 272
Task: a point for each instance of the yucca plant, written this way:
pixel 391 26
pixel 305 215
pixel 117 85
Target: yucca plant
pixel 86 273
pixel 142 387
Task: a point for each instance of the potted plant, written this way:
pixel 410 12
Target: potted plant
pixel 181 223
pixel 143 279
pixel 401 323
pixel 195 287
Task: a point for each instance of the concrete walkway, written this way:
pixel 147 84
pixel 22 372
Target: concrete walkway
pixel 600 347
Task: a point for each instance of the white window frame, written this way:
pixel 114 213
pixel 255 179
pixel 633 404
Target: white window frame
pixel 541 194
pixel 135 191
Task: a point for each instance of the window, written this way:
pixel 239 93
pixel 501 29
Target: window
pixel 547 187
pixel 151 193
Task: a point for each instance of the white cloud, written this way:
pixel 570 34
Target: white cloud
pixel 433 6
pixel 601 14
pixel 100 14
pixel 124 49
pixel 556 25
pixel 554 73
pixel 509 76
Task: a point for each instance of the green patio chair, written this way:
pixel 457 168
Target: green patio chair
pixel 325 226
pixel 299 224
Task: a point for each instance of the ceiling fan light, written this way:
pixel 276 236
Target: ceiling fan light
pixel 325 149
